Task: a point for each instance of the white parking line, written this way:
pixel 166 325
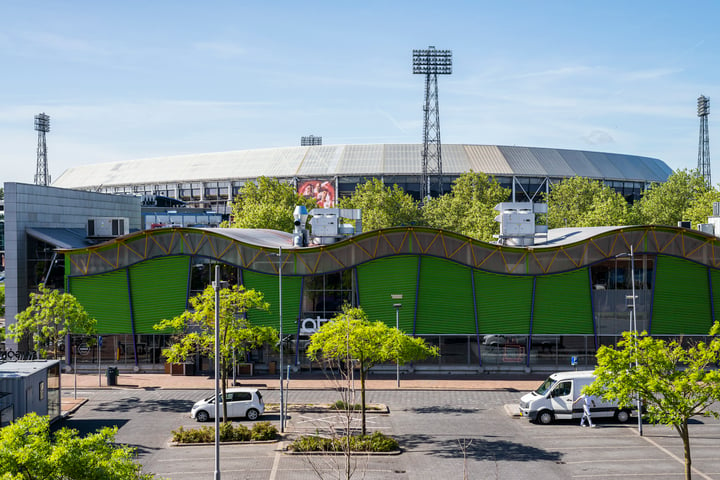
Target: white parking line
pixel 672 455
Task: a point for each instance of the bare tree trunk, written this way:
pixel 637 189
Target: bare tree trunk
pixel 685 435
pixel 362 395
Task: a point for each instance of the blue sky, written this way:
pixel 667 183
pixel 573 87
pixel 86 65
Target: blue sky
pixel 139 79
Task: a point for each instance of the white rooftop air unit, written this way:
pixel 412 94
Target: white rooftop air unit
pixel 517 222
pixel 107 227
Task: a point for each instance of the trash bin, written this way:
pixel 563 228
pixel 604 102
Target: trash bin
pixel 111 374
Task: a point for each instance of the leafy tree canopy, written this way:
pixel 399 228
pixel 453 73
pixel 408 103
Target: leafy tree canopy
pixel 383 206
pixel 267 204
pixel 666 203
pixel 351 334
pixel 701 207
pixel 675 382
pixel 468 208
pixel 583 202
pixel 29 451
pixel 50 316
pixel 195 328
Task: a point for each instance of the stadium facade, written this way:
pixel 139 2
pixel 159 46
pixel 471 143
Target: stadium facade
pixel 331 171
pixel 487 307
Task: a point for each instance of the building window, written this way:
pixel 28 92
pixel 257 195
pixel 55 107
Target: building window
pixel 41 390
pixel 324 295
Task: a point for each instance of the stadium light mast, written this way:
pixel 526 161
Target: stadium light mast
pixel 703 111
pixel 42 125
pixel 431 63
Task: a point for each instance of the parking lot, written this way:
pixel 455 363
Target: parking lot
pixel 443 434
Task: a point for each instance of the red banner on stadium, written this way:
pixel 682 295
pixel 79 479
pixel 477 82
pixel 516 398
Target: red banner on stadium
pixel 321 190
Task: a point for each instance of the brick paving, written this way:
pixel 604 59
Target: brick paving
pixel 148 381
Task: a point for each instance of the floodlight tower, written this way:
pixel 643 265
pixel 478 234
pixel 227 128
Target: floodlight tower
pixel 431 63
pixel 704 146
pixel 42 125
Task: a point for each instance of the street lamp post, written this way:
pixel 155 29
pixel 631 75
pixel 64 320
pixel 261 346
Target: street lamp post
pixel 216 286
pixel 397 306
pixel 633 326
pixel 635 330
pixel 282 399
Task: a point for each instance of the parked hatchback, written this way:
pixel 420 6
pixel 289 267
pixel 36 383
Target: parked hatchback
pixel 241 402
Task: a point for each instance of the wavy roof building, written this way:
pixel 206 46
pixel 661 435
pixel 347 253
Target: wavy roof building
pixel 210 179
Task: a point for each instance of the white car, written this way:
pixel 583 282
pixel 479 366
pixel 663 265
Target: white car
pixel 241 402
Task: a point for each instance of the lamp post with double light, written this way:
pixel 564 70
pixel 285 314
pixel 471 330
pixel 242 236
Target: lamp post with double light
pixel 633 324
pixel 397 307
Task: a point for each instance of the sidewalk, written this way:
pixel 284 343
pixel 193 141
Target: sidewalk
pixel 152 381
pixel 306 381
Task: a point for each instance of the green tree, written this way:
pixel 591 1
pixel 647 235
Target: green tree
pixel 468 208
pixel 195 328
pixel 268 203
pixel 675 382
pixel 350 334
pixel 666 203
pixel 50 316
pixel 583 202
pixel 28 451
pixel 701 207
pixel 383 206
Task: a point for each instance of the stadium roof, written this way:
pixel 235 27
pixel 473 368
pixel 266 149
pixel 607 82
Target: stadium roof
pixel 370 160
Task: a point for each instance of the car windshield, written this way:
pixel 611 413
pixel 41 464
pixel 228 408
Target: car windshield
pixel 260 399
pixel 543 389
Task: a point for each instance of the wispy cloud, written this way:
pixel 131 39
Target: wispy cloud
pixel 221 49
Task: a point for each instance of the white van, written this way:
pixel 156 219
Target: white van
pixel 554 400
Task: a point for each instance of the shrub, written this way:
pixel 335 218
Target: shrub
pixel 263 431
pixel 343 405
pixel 375 442
pixel 228 433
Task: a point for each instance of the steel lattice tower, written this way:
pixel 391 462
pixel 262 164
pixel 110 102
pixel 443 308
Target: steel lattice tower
pixel 704 144
pixel 431 63
pixel 42 125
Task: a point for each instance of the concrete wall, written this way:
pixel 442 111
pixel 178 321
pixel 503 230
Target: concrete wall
pixel 35 206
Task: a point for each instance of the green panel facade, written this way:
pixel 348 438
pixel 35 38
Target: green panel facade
pixel 445 303
pixel 503 302
pixel 681 303
pixel 150 308
pixel 269 285
pixel 379 279
pixel 105 297
pixel 562 304
pixel 715 285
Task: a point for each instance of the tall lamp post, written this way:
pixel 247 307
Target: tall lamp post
pixel 633 326
pixel 282 399
pixel 216 286
pixel 397 306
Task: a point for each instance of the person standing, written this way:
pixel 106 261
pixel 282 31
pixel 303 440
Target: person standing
pixel 588 400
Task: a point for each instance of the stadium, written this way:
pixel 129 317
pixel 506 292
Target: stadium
pixel 487 307
pixel 331 171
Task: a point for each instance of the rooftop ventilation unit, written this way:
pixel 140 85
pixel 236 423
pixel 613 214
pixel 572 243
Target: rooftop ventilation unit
pixel 107 227
pixel 517 223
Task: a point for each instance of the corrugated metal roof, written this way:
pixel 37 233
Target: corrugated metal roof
pixel 487 159
pixel 580 163
pixel 370 160
pixel 555 165
pixel 256 236
pixel 522 161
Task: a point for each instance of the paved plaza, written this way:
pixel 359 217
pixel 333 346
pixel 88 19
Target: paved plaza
pixel 459 429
